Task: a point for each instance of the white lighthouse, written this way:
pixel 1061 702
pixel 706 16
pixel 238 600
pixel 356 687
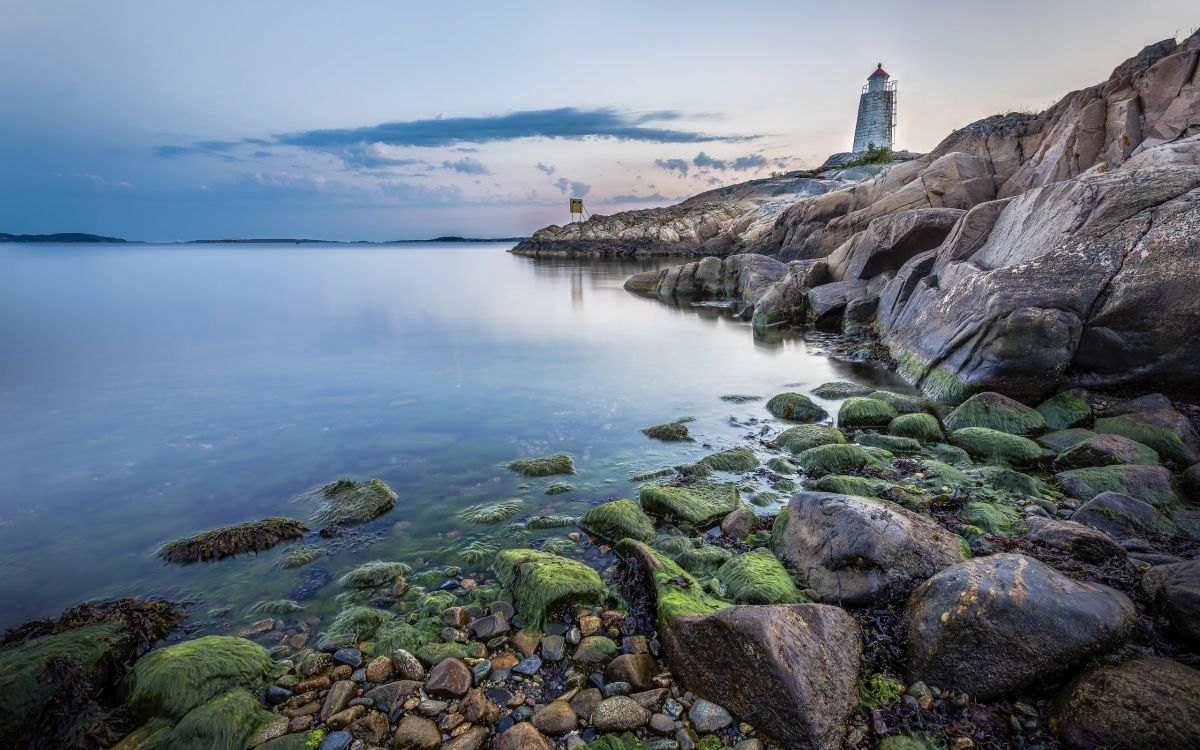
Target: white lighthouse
pixel 876 112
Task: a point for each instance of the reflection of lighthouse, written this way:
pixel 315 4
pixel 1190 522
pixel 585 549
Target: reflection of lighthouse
pixel 876 112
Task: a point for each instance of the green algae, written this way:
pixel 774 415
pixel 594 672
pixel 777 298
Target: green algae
pixel 476 551
pixel 558 546
pixel 781 465
pixel 841 389
pixel 545 466
pixel 169 682
pixel 373 574
pixel 551 522
pixel 996 412
pixel 353 624
pixel 626 741
pixel 700 558
pixel 229 720
pixel 997 519
pixel 847 485
pixel 559 488
pixel 1064 411
pixel 764 499
pixel 903 404
pixel 235 539
pixel 881 690
pixel 738 398
pixel 795 407
pixel 347 502
pixel 299 555
pixel 617 520
pixel 677 593
pixel 1166 443
pixel 1128 479
pixel 783 485
pixel 838 458
pixel 859 411
pixel 669 432
pixel 1082 455
pixel 890 443
pixel 1063 439
pixel 951 454
pixel 758 577
pixel 696 470
pixel 645 476
pixel 1013 482
pixel 799 439
pixel 276 607
pixel 487 514
pixel 543 583
pixel 921 426
pixel 944 474
pixel 996 447
pixel 696 503
pixel 734 459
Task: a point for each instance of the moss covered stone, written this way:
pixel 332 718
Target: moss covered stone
pixel 781 465
pixel 487 514
pixel 920 426
pixel 544 466
pixel 676 592
pixel 996 447
pixel 1165 442
pixel 846 485
pixel 757 578
pixel 996 412
pixel 697 470
pixel 840 459
pixel 299 555
pixel 229 720
pixel 865 412
pixel 801 438
pixel 432 654
pixel 543 583
pixel 353 625
pixel 997 519
pixel 235 539
pixel 943 474
pixel 890 443
pixel 1062 439
pixel 702 558
pixel 170 682
pixel 617 520
pixel 795 407
pixel 697 503
pixel 951 454
pixel 902 403
pixel 559 488
pixel 734 459
pixel 1150 484
pixel 669 432
pixel 1105 450
pixel 841 389
pixel 1064 411
pixel 346 501
pixel 373 574
pixel 1012 482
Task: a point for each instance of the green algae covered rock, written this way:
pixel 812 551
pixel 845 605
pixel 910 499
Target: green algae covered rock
pixel 1105 450
pixel 795 407
pixel 733 459
pixel 940 473
pixel 299 555
pixel 996 412
pixel 996 447
pixel 801 438
pixel 1062 439
pixel 697 470
pixel 696 503
pixel 890 443
pixel 671 432
pixel 235 539
pixel 229 720
pixel 1120 516
pixel 545 466
pixel 859 411
pixel 758 578
pixel 617 520
pixel 1150 484
pixel 170 682
pixel 900 402
pixel 997 519
pixel 1165 442
pixel 846 485
pixel 346 501
pixel 841 389
pixel 951 454
pixel 781 465
pixel 840 458
pixel 434 653
pixel 676 591
pixel 1012 482
pixel 693 554
pixel 919 426
pixel 1064 411
pixel 544 583
pixel 353 625
pixel 373 574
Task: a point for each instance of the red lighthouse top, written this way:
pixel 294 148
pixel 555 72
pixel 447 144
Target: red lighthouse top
pixel 879 71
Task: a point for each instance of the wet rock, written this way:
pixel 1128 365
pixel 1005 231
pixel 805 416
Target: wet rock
pixel 996 412
pixel 697 503
pixel 860 411
pixel 1150 484
pixel 618 714
pixel 796 667
pixel 487 628
pixel 338 698
pixel 528 666
pixel 1174 591
pixel 1165 430
pixel 345 717
pixel 856 550
pixel 351 657
pixel 472 739
pixel 1121 516
pixel 1105 450
pixel 543 583
pixel 1145 702
pixel 636 669
pixel 416 733
pixel 795 407
pixel 651 700
pixel 477 706
pixel 450 678
pixel 617 520
pixel 380 669
pixel 347 502
pixel 1076 539
pixel 662 724
pixel 393 693
pixel 996 447
pixel 738 524
pixel 336 741
pixel 708 717
pixel 993 625
pixel 373 729
pixel 1064 411
pixel 523 736
pixel 556 718
pixel 594 649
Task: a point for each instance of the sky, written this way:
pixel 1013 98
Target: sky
pixel 161 120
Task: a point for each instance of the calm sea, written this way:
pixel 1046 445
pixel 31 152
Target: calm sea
pixel 149 392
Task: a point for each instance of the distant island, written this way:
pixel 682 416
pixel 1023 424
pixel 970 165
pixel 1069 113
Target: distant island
pixel 79 237
pixel 61 237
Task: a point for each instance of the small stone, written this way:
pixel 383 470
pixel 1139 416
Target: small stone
pixel 526 641
pixel 449 679
pixel 635 644
pixel 585 701
pixel 557 718
pixel 379 670
pixel 338 698
pixel 343 719
pixel 258 628
pixel 708 717
pixel 341 672
pixel 528 666
pixel 636 669
pixel 277 695
pixel 618 714
pixel 351 657
pixel 672 708
pixel 486 628
pixel 502 608
pixel 451 722
pixel 372 728
pixel 430 707
pixel 300 724
pixel 574 636
pixel 594 649
pixel 753 743
pixel 499 695
pixel 456 617
pixel 522 736
pixel 274 730
pixel 406 666
pixel 662 724
pixel 480 670
pixel 589 625
pixel 651 700
pixel 554 647
pixel 416 733
pixel 472 738
pixel 478 708
pixel 315 664
pixel 336 741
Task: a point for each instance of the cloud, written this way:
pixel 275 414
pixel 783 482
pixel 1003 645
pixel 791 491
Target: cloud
pixel 576 189
pixel 654 198
pixel 673 165
pixel 754 161
pixel 704 160
pixel 466 165
pixel 547 168
pixel 740 164
pixel 408 194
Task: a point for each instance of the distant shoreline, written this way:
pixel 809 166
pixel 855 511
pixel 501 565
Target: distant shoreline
pixel 82 238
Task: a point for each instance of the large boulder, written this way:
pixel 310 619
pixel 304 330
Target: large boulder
pixel 1076 539
pixel 889 241
pixel 854 550
pixel 1174 591
pixel 1121 516
pixel 996 411
pixel 994 625
pixel 1165 430
pixel 1105 450
pixel 795 667
pixel 1150 484
pixel 1145 702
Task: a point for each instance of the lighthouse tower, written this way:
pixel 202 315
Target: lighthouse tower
pixel 876 112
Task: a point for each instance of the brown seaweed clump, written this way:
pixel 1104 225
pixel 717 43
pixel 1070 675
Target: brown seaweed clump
pixel 235 539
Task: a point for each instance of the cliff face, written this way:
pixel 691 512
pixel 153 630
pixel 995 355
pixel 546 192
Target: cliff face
pixel 1023 253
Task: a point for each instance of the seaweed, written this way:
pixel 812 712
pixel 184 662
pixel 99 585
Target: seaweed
pixel 841 389
pixel 758 577
pixel 551 522
pixel 996 447
pixel 795 407
pixel 838 458
pixel 299 555
pixel 617 520
pixel 373 574
pixel 543 583
pixel 558 488
pixel 669 432
pixel 733 459
pixel 696 503
pixel 170 682
pixel 859 411
pixel 923 427
pixel 347 502
pixel 996 412
pixel 235 539
pixel 543 467
pixel 485 514
pixel 799 439
pixel 276 607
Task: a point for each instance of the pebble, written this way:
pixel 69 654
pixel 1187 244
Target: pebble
pixel 499 695
pixel 430 707
pixel 338 698
pixel 351 657
pixel 554 647
pixel 528 666
pixel 502 608
pixel 480 670
pixel 618 714
pixel 380 669
pixel 673 708
pixel 617 688
pixel 415 733
pixel 449 679
pixel 277 695
pixel 662 724
pixel 557 718
pixel 753 743
pixel 406 666
pixel 486 628
pixel 336 741
pixel 708 717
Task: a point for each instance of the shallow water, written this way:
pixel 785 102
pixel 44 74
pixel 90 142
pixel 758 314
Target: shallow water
pixel 150 392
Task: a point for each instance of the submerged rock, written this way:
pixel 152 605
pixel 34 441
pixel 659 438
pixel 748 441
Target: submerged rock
pixel 855 551
pixel 994 625
pixel 235 539
pixel 1145 702
pixel 697 503
pixel 839 389
pixel 617 520
pixel 346 502
pixel 543 583
pixel 545 466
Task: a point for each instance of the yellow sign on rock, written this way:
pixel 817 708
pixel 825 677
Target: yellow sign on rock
pixel 577 205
